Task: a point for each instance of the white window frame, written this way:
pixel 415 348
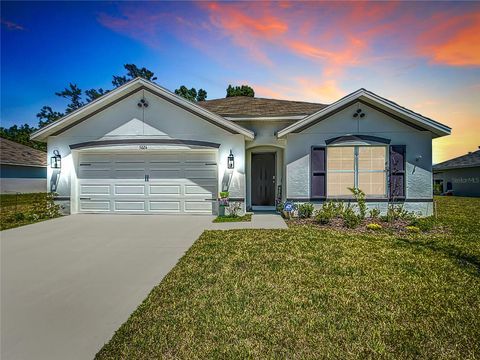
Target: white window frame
pixel 356 171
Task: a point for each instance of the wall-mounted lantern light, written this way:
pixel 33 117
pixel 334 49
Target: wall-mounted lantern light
pixel 56 160
pixel 231 161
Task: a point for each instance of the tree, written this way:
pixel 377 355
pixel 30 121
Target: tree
pixel 243 90
pixel 133 72
pixel 93 94
pixel 74 94
pixel 47 116
pixel 22 135
pixel 191 94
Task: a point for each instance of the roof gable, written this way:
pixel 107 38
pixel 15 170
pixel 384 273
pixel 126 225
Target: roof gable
pixel 125 91
pixel 377 102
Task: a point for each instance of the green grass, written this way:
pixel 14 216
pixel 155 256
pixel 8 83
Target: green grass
pixel 19 209
pixel 315 293
pixel 222 219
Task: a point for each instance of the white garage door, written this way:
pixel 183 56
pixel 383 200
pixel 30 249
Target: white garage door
pixel 158 183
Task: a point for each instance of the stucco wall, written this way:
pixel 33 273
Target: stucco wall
pixel 161 120
pixel 22 179
pixel 465 182
pixel 418 143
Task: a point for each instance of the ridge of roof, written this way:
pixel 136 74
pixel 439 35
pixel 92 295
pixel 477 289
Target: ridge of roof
pixel 472 159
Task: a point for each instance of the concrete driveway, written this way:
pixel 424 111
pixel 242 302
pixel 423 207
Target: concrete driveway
pixel 67 284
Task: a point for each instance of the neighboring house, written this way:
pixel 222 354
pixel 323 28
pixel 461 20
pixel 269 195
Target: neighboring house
pixel 23 169
pixel 142 149
pixel 459 176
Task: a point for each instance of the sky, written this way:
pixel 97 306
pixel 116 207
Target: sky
pixel 422 55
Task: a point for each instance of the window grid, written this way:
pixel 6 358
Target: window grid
pixel 357 172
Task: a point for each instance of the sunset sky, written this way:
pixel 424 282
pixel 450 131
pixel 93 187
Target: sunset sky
pixel 424 56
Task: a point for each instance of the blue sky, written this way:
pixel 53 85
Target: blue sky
pixel 425 56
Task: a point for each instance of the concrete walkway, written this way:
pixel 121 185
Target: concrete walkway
pixel 67 284
pixel 259 221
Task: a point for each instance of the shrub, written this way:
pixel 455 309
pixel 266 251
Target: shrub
pixel 374 227
pixel 397 212
pixel 412 229
pixel 360 196
pixel 19 216
pixel 305 210
pixel 375 213
pixel 330 210
pixel 424 224
pixel 350 218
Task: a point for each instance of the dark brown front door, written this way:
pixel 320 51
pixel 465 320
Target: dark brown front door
pixel 263 179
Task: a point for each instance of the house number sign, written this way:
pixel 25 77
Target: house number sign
pixel 143 147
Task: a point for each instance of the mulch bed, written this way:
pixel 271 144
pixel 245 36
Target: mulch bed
pixel 396 227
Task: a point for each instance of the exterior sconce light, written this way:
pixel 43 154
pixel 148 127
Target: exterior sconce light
pixel 56 160
pixel 230 161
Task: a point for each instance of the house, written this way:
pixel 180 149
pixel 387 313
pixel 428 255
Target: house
pixel 142 149
pixel 459 176
pixel 22 169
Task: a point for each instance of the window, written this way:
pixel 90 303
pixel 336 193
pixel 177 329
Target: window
pixel 363 167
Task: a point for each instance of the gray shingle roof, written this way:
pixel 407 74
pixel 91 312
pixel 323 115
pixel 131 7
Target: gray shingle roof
pixel 13 153
pixel 239 106
pixel 471 159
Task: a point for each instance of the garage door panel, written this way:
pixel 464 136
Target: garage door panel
pixel 92 189
pixel 199 190
pixel 166 206
pixel 95 205
pixel 165 190
pixel 201 173
pixel 129 189
pixel 122 205
pixel 165 174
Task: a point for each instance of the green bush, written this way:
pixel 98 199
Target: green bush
pixel 374 227
pixel 374 213
pixel 397 212
pixel 360 197
pixel 305 210
pixel 424 224
pixel 350 218
pixel 330 210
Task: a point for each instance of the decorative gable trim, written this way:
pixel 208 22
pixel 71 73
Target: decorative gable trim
pixel 377 102
pixel 126 90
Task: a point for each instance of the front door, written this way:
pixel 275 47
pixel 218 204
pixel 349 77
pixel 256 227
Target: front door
pixel 263 179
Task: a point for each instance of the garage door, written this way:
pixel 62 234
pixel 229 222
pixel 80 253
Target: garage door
pixel 158 183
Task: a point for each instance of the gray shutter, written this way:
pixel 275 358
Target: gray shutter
pixel 397 172
pixel 318 172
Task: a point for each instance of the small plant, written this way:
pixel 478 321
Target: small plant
pixel 305 210
pixel 329 211
pixel 374 227
pixel 397 212
pixel 412 229
pixel 350 218
pixel 234 208
pixel 360 196
pixel 280 207
pixel 374 213
pixel 424 224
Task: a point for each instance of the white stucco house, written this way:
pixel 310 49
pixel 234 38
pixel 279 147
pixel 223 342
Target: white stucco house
pixel 142 149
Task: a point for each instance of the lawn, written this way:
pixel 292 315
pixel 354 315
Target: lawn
pixel 23 209
pixel 309 292
pixel 243 218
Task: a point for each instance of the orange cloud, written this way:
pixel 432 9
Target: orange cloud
pixel 455 41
